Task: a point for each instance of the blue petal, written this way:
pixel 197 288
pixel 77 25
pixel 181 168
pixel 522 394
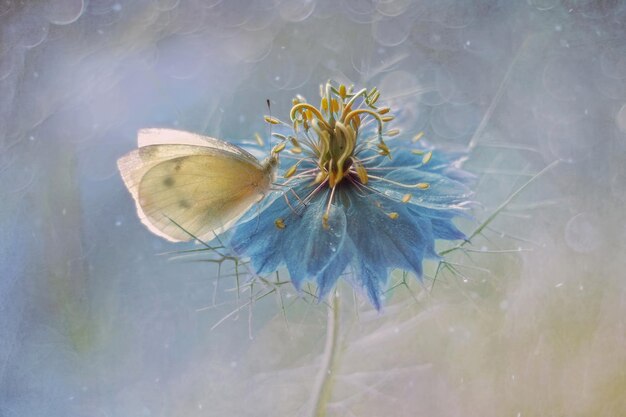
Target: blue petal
pixel 327 279
pixel 372 279
pixel 259 239
pixel 445 229
pixel 442 193
pixel 380 240
pixel 304 245
pixel 309 246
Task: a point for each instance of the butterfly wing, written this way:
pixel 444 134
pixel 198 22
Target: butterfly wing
pixel 159 136
pixel 201 189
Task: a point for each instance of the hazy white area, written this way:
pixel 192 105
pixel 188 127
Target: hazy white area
pixel 529 321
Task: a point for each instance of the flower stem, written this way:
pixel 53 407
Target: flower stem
pixel 322 389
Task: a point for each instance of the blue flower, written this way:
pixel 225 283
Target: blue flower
pixel 351 205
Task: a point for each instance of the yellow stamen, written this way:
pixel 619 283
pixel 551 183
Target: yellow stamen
pixel 418 136
pixel 342 91
pixel 383 110
pixel 420 185
pixel 278 148
pixel 324 104
pixel 272 120
pixel 384 149
pixel 327 213
pixel 290 171
pixel 309 107
pixel 387 118
pixel 374 98
pixel 320 177
pixel 279 223
pixel 393 132
pixel 296 150
pixel 426 158
pixel 361 172
pixel 406 198
pixel 325 221
pixel 393 215
pixel 334 105
pixel 279 136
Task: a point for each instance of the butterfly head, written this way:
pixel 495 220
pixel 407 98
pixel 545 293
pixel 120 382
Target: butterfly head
pixel 271 162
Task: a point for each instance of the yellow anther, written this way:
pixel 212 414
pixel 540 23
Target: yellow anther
pixel 279 136
pixel 325 221
pixel 296 149
pixel 290 171
pixel 417 152
pixel 388 118
pixel 295 101
pixel 392 132
pixel 342 91
pixel 279 147
pixel 418 136
pixel 309 114
pixel 422 185
pixel 393 215
pixel 374 98
pixel 384 149
pixel 406 198
pixel 279 223
pixel 324 104
pixel 271 120
pixel 361 172
pixel 259 139
pixel 383 110
pixel 334 105
pixel 320 177
pixel 427 157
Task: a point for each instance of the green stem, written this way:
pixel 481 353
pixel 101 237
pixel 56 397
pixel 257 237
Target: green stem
pixel 324 381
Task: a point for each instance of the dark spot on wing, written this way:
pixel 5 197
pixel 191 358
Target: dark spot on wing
pixel 178 165
pixel 168 181
pixel 184 204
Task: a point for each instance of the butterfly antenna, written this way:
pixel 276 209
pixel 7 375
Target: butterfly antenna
pixel 269 109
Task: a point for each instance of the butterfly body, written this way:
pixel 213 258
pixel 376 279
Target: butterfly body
pixel 186 184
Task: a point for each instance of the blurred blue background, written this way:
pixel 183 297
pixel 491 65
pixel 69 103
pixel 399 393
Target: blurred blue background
pixel 94 323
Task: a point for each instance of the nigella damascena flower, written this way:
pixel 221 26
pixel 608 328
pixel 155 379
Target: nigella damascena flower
pixel 357 200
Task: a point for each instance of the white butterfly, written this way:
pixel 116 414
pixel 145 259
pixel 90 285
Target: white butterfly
pixel 184 183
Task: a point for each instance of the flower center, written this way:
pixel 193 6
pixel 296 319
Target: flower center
pixel 327 141
pixel 333 130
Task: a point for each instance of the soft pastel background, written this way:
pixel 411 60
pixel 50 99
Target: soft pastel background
pixel 94 323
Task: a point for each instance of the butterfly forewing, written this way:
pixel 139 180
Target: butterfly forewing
pixel 184 190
